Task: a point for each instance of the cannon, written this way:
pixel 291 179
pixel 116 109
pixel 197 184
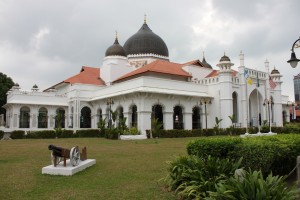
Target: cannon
pixel 58 154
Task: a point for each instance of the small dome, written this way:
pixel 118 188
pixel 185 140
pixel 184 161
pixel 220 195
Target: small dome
pixel 224 58
pixel 17 85
pixel 35 86
pixel 275 71
pixel 146 42
pixel 115 50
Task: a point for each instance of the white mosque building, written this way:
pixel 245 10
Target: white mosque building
pixel 140 81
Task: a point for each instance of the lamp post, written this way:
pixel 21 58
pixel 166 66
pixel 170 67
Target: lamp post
pixel 205 101
pixel 109 102
pixel 294 60
pixel 269 102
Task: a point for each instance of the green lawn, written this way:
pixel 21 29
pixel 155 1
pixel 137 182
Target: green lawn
pixel 123 170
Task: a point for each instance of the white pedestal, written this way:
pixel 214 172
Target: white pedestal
pixel 133 137
pixel 69 170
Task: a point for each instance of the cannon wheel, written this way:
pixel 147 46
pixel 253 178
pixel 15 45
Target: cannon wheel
pixel 74 156
pixel 58 159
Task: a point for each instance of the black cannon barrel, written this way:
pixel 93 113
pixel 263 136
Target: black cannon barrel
pixel 57 151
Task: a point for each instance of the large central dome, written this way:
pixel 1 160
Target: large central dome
pixel 146 42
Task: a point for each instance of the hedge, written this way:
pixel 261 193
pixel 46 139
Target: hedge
pixel 45 134
pixel 259 153
pixel 66 134
pixel 19 134
pixel 112 134
pixel 89 133
pixel 1 134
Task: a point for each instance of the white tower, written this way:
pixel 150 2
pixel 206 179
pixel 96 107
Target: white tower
pixel 225 81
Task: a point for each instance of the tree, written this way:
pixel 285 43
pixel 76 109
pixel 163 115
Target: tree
pixel 6 84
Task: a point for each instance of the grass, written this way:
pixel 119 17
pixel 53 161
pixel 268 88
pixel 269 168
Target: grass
pixel 123 170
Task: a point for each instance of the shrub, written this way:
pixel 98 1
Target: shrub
pixel 193 177
pixel 112 134
pixel 259 153
pixel 18 134
pixel 88 133
pixel 253 186
pixel 131 131
pixel 66 134
pixel 213 146
pixel 1 134
pixel 41 134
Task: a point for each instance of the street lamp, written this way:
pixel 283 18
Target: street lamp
pixel 294 60
pixel 205 101
pixel 269 102
pixel 109 102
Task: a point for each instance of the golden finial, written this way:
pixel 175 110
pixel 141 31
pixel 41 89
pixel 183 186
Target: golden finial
pixel 145 19
pixel 116 35
pixel 203 55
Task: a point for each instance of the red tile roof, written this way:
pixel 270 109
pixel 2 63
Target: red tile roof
pixel 216 72
pixel 158 66
pixel 87 75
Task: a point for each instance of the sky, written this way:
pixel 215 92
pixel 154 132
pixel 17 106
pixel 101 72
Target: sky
pixel 44 42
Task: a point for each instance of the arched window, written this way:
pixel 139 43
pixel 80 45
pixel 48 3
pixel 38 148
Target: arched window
pixel 134 116
pixel 24 117
pixel 157 113
pixel 235 106
pixel 85 117
pixel 43 118
pixel 178 118
pixel 196 118
pixel 60 118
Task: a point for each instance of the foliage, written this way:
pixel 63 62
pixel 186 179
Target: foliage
pixel 122 125
pixel 1 134
pixel 213 146
pixel 66 134
pixel 18 134
pixel 112 134
pixel 253 186
pixel 58 119
pixel 217 122
pixel 114 116
pixel 89 133
pixel 155 127
pixel 101 125
pixel 193 177
pixel 44 134
pixel 6 84
pixel 259 153
pixel 132 131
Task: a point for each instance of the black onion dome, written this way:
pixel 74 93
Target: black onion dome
pixel 206 64
pixel 224 58
pixel 275 71
pixel 115 50
pixel 146 42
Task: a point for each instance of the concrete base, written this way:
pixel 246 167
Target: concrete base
pixel 133 137
pixel 69 170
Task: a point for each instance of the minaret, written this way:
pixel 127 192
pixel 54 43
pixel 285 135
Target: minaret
pixel 225 82
pixel 276 94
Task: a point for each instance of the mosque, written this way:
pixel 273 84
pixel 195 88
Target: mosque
pixel 140 82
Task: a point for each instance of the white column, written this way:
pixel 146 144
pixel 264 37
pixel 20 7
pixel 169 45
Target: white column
pixel 144 121
pixel 187 119
pixel 168 120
